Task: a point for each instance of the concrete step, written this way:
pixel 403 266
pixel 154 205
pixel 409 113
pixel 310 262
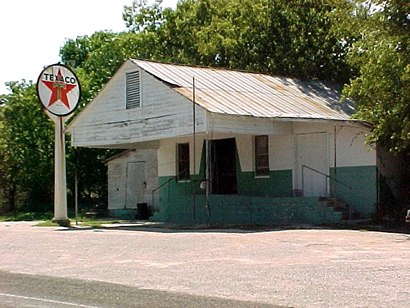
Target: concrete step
pixel 342 207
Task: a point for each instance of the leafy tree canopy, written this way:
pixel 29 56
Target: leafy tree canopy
pixel 381 89
pixel 26 145
pixel 292 38
pixel 364 44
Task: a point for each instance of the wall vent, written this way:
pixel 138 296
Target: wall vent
pixel 133 92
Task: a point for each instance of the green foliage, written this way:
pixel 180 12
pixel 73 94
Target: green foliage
pixel 26 146
pixel 292 38
pixel 97 57
pixel 139 16
pixel 381 89
pixel 366 42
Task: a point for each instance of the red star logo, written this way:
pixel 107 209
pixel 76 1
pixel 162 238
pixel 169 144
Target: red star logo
pixel 59 90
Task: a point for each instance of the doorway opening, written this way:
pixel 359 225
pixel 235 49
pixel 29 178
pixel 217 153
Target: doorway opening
pixel 223 166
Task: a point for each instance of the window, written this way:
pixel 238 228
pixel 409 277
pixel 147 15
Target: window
pixel 183 162
pixel 132 89
pixel 261 156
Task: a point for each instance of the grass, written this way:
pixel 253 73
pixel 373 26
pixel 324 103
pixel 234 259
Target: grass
pixel 47 223
pixel 83 222
pixel 95 222
pixel 46 219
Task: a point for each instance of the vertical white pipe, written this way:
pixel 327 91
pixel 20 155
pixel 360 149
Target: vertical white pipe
pixel 60 185
pixel 194 125
pixel 194 143
pixel 335 162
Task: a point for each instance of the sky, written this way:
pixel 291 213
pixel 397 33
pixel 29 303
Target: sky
pixel 32 32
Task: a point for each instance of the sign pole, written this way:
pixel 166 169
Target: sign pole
pixel 60 181
pixel 76 195
pixel 59 91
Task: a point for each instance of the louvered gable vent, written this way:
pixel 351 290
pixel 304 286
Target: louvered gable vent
pixel 133 93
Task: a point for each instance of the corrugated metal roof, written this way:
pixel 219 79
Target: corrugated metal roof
pixel 250 94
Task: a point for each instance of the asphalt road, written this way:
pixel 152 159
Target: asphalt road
pixel 22 290
pixel 144 266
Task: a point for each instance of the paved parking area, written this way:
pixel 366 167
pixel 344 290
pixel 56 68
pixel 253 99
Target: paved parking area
pixel 297 268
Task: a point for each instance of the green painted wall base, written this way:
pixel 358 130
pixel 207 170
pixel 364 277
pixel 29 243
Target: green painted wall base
pixel 241 210
pixel 123 213
pixel 265 201
pixel 363 180
pixel 277 184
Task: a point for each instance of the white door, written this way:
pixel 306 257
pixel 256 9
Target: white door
pixel 311 151
pixel 116 185
pixel 135 184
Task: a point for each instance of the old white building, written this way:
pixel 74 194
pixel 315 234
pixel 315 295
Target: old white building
pixel 222 146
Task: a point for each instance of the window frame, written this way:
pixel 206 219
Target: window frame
pixel 183 160
pixel 261 157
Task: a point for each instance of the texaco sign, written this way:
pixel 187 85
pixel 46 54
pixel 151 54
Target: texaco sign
pixel 58 89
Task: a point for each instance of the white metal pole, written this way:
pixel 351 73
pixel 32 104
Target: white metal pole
pixel 335 163
pixel 60 185
pixel 194 143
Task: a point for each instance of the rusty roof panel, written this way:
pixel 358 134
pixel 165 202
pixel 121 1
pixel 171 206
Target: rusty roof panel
pixel 250 94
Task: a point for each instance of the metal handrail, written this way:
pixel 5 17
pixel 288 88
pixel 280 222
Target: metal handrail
pixel 330 178
pixel 158 188
pixel 163 184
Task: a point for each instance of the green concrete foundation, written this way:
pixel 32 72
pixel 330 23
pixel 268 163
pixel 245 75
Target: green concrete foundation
pixel 363 195
pixel 240 210
pixel 123 213
pixel 265 201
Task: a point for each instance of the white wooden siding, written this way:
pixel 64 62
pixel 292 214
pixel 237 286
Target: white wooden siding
pixel 120 193
pixel 167 154
pixel 351 149
pixel 244 144
pixel 281 152
pixel 246 125
pixel 163 113
pixel 166 157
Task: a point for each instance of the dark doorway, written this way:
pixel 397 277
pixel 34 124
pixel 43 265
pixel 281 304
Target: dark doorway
pixel 223 166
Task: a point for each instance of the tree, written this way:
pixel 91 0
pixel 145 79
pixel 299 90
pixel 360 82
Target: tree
pixel 381 89
pixel 26 148
pixel 292 38
pixel 307 39
pixel 364 44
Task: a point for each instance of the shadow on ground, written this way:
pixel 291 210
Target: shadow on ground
pixel 160 227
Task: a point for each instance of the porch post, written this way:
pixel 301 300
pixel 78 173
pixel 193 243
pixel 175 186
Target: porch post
pixel 335 162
